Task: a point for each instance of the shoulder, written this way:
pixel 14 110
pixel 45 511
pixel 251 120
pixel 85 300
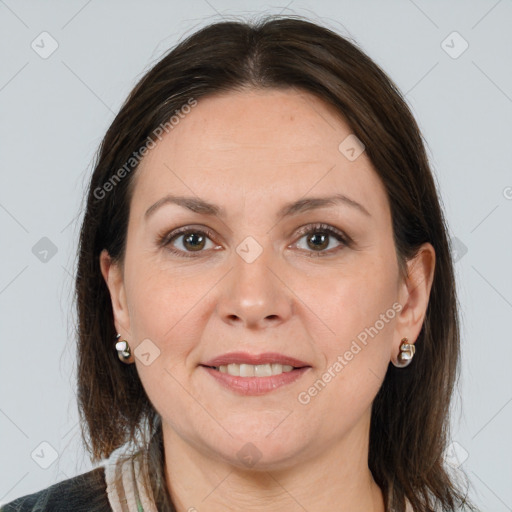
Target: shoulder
pixel 85 492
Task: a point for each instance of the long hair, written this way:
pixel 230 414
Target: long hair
pixel 409 429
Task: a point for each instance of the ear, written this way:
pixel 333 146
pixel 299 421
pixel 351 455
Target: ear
pixel 113 275
pixel 414 294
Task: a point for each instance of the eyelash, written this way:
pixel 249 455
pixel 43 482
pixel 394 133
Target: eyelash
pixel 166 239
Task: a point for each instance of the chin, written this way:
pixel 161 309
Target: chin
pixel 257 450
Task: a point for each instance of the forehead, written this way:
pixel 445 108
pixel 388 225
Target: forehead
pixel 247 145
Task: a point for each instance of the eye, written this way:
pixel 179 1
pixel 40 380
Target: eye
pixel 187 240
pixel 190 242
pixel 319 237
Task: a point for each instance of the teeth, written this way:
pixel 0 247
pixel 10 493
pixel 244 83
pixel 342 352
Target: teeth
pixel 251 370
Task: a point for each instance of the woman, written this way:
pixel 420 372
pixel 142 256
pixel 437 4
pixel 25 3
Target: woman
pixel 265 292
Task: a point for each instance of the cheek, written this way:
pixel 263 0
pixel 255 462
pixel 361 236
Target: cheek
pixel 161 309
pixel 358 297
pixel 170 307
pixel 160 296
pixel 361 315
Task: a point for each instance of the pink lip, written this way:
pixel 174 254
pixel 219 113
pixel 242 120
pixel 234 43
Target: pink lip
pixel 255 385
pixel 245 358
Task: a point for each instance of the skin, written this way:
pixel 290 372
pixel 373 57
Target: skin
pixel 250 153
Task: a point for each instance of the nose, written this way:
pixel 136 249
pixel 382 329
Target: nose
pixel 254 295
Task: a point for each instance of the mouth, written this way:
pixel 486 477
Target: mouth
pixel 255 370
pixel 249 374
pixel 243 364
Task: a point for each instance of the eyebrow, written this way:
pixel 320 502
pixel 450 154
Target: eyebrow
pixel 200 206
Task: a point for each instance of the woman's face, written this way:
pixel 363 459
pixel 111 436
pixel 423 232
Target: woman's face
pixel 263 273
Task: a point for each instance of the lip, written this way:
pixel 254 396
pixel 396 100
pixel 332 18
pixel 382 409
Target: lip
pixel 254 386
pixel 245 358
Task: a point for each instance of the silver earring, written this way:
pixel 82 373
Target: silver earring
pixel 123 351
pixel 406 353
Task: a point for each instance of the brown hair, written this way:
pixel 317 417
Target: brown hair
pixel 410 415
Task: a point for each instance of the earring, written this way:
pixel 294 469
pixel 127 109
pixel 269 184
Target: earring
pixel 406 353
pixel 123 351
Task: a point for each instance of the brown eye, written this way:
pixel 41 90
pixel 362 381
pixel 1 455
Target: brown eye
pixel 187 241
pixel 322 240
pixel 318 241
pixel 194 241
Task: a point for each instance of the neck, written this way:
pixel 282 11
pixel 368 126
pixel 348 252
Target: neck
pixel 336 479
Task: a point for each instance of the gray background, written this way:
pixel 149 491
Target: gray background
pixel 55 110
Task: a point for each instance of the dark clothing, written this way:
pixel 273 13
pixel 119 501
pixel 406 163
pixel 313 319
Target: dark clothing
pixel 83 493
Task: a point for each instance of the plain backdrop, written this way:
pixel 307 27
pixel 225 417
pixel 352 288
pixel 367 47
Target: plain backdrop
pixel 66 67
